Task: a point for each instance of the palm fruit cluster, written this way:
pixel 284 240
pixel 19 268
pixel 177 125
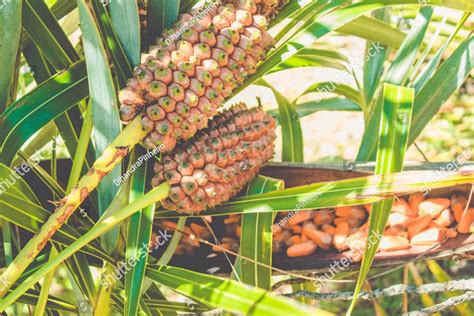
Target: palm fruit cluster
pixel 219 161
pixel 186 76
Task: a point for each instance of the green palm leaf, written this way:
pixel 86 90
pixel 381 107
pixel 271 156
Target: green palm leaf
pixel 330 194
pixel 124 15
pixel 374 30
pixel 374 61
pixel 326 21
pixel 444 82
pixel 10 32
pixel 105 116
pixel 256 239
pixel 434 62
pixel 27 115
pixel 393 139
pixel 161 14
pixel 337 88
pixel 313 57
pixel 138 239
pixel 227 294
pixel 45 31
pixel 291 127
pixel 104 225
pixel 21 207
pixel 397 74
pixel 120 59
pixel 330 104
pixel 30 216
pixel 52 303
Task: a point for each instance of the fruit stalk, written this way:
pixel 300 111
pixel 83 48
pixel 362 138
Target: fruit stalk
pixel 112 156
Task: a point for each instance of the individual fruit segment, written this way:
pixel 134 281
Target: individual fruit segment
pixel 219 161
pixel 433 207
pixel 392 243
pixel 301 249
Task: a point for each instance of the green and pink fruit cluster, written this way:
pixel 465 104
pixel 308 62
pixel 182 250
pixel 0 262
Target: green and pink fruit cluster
pixel 219 161
pixel 193 68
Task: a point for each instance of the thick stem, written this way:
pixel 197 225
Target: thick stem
pixel 157 194
pixel 112 156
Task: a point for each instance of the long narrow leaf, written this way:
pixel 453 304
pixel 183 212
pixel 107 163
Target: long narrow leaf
pixel 104 225
pixel 327 21
pixel 256 238
pixel 299 14
pixel 53 303
pixel 139 234
pixel 374 30
pixel 121 62
pixel 227 294
pixel 330 194
pixel 42 71
pixel 400 69
pixel 375 57
pixel 33 111
pixel 125 21
pixel 327 87
pixel 45 31
pixel 10 32
pixel 429 69
pixel 79 158
pixel 161 14
pixel 439 88
pixel 313 57
pixel 393 139
pixel 31 216
pixel 291 127
pixel 397 74
pixel 80 275
pixel 330 104
pixel 105 116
